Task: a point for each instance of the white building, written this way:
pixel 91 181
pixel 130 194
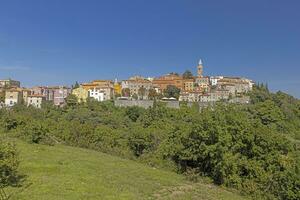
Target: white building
pixel 101 94
pixel 214 80
pixel 13 97
pixel 35 100
pixel 124 84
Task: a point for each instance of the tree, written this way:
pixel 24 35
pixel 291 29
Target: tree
pixel 268 112
pixel 71 100
pixel 2 96
pixel 152 94
pixel 174 73
pixel 134 113
pixel 142 92
pixel 172 91
pixel 9 164
pixel 76 85
pixel 187 74
pixel 140 141
pixel 126 92
pixel 135 96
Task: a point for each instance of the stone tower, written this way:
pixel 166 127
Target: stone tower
pixel 200 69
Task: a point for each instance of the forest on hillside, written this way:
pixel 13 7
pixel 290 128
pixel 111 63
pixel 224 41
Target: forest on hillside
pixel 253 148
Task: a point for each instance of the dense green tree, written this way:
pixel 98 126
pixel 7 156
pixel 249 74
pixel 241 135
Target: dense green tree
pixel 187 74
pixel 140 141
pixel 134 113
pixel 142 92
pixel 259 94
pixel 9 164
pixel 71 100
pixel 2 96
pixel 268 112
pixel 135 96
pixel 172 91
pixel 152 94
pixel 76 85
pixel 174 73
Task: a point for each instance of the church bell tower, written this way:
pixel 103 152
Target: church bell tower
pixel 200 69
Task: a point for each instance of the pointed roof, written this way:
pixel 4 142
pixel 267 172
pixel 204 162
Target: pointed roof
pixel 200 62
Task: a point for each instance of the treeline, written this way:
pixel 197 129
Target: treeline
pixel 253 148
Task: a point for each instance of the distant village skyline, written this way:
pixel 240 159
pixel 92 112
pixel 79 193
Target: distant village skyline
pixel 42 45
pixel 187 87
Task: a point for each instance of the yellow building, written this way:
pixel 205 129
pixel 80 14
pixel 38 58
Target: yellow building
pixel 188 84
pixel 117 88
pixel 81 93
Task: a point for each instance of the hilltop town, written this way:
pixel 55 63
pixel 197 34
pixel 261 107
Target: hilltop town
pixel 170 87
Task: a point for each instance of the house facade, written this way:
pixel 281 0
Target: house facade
pixel 169 79
pixel 13 97
pixel 81 94
pixel 60 94
pixel 101 93
pixel 35 100
pixel 9 83
pixel 188 84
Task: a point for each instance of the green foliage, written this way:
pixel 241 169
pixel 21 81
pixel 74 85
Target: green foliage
pixel 253 148
pixel 187 74
pixel 71 173
pixel 36 132
pixel 135 96
pixel 141 92
pixel 141 141
pixel 9 163
pixel 268 112
pixel 260 93
pixel 2 95
pixel 71 100
pixel 76 85
pixel 134 112
pixel 152 94
pixel 172 91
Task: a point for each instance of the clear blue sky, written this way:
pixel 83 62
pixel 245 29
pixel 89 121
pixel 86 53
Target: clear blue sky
pixel 55 42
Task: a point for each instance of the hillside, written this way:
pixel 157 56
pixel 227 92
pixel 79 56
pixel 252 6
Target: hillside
pixel 62 172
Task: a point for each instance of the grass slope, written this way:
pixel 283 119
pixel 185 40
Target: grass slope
pixel 62 172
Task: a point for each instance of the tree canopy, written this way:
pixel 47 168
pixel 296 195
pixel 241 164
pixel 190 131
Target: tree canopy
pixel 172 91
pixel 187 74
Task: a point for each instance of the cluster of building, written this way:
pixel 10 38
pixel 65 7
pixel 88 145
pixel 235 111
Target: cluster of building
pixel 12 93
pixel 197 88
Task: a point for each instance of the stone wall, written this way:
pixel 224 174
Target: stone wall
pixel 172 104
pixel 139 103
pixel 144 103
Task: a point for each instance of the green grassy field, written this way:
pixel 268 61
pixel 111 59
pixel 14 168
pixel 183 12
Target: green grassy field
pixel 68 173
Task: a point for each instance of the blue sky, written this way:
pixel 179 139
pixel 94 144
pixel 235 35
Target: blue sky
pixel 55 42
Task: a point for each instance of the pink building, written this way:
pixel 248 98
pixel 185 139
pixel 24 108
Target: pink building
pixel 56 94
pixel 60 94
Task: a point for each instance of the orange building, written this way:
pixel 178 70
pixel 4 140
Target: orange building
pixel 170 79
